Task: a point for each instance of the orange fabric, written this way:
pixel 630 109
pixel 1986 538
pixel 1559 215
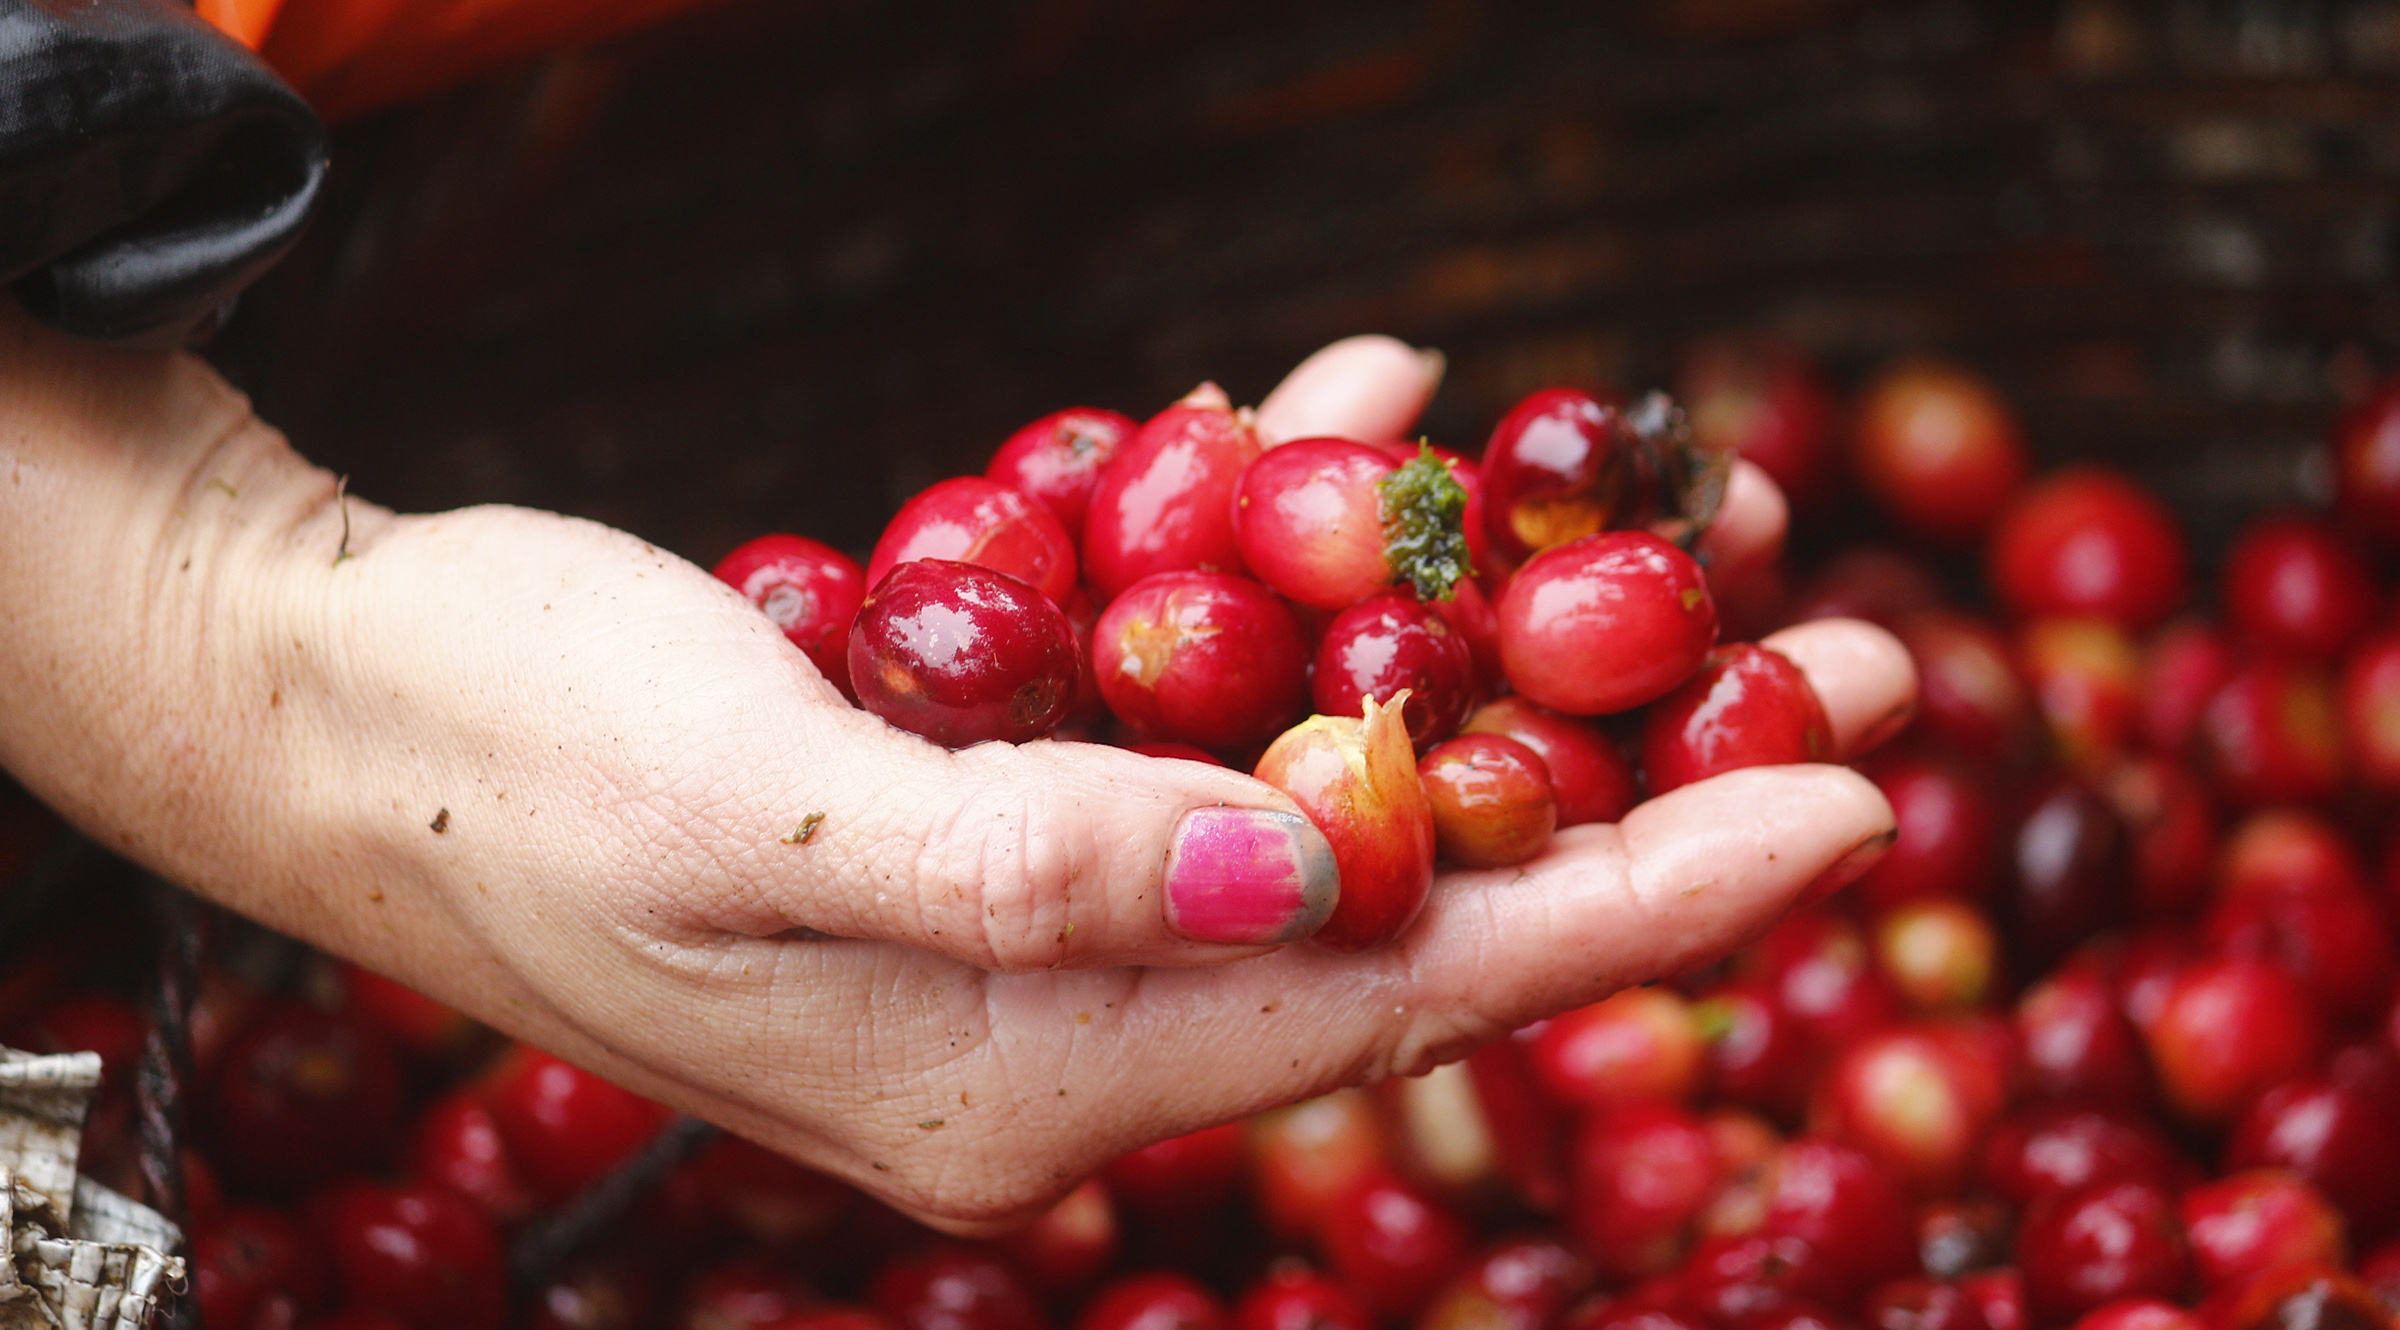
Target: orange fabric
pixel 246 21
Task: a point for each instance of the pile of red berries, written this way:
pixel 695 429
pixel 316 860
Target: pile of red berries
pixel 2109 1040
pixel 1185 589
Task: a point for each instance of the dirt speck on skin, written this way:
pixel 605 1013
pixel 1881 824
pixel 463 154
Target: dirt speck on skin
pixel 1271 1008
pixel 374 898
pixel 1083 1018
pixel 807 828
pixel 441 822
pixel 931 1124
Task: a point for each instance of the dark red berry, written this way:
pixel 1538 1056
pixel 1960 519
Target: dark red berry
pixel 249 1254
pixel 2086 676
pixel 2293 588
pixel 2138 1314
pixel 2334 942
pixel 2053 1147
pixel 2000 1295
pixel 1936 445
pixel 2366 462
pixel 1071 1244
pixel 1748 706
pixel 2173 824
pixel 961 654
pixel 1058 460
pixel 419 1024
pixel 1640 1173
pixel 1165 504
pixel 1917 1303
pixel 2092 1245
pixel 1730 1279
pixel 301 1096
pixel 1293 1297
pixel 2344 1139
pixel 1765 401
pixel 424 1254
pixel 2188 662
pixel 1948 829
pixel 954 1288
pixel 1919 1098
pixel 811 591
pixel 1391 642
pixel 2077 1041
pixel 1644 1043
pixel 1491 797
pixel 1591 779
pixel 1556 469
pixel 2227 1030
pixel 2272 735
pixel 2252 1222
pixel 1183 1177
pixel 1605 623
pixel 2088 541
pixel 565 1127
pixel 2070 860
pixel 1823 976
pixel 743 1293
pixel 1969 692
pixel 2370 703
pixel 1848 1210
pixel 1201 658
pixel 1518 1284
pixel 457 1144
pixel 1392 1242
pixel 1152 1300
pixel 1757 1053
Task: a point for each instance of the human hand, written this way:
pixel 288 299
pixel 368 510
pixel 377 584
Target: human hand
pixel 552 775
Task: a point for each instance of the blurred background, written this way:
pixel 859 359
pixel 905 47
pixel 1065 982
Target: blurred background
pixel 779 263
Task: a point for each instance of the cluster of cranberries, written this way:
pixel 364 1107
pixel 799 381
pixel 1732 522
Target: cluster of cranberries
pixel 1180 587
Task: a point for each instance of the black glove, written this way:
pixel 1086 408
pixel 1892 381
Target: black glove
pixel 150 167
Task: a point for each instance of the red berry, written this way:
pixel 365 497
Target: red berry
pixel 1387 643
pixel 2228 1029
pixel 301 1096
pixel 1491 798
pixel 1591 779
pixel 1732 1279
pixel 247 1255
pixel 1877 585
pixel 2173 824
pixel 968 519
pixel 1058 460
pixel 1956 1237
pixel 2370 703
pixel 2366 462
pixel 1356 779
pixel 2098 1243
pixel 1519 1284
pixel 1641 1171
pixel 414 1021
pixel 2289 851
pixel 1969 693
pixel 457 1143
pixel 1201 658
pixel 1183 1177
pixel 1554 471
pixel 1605 623
pixel 1293 1297
pixel 2070 861
pixel 1309 519
pixel 811 591
pixel 1748 706
pixel 1948 830
pixel 1939 953
pixel 2343 1139
pixel 744 1293
pixel 2252 1222
pixel 2138 1314
pixel 2305 1293
pixel 2380 1269
pixel 1071 1244
pixel 424 1254
pixel 765 1196
pixel 2188 662
pixel 1823 975
pixel 1939 449
pixel 2333 942
pixel 1757 1053
pixel 2077 1041
pixel 2063 1146
pixel 1527 1128
pixel 1641 1044
pixel 2088 541
pixel 1166 503
pixel 1394 1244
pixel 1849 1210
pixel 1152 1300
pixel 2087 679
pixel 962 654
pixel 564 1126
pixel 2272 735
pixel 954 1288
pixel 1918 1098
pixel 594 1295
pixel 1766 402
pixel 2000 1295
pixel 1922 1304
pixel 2292 588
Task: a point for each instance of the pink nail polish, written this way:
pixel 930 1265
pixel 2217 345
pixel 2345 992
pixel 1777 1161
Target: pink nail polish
pixel 1248 875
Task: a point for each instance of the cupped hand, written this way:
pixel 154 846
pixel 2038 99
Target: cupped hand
pixel 575 786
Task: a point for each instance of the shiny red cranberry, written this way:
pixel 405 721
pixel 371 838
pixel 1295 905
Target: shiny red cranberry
pixel 2293 588
pixel 2087 679
pixel 1305 1158
pixel 1969 692
pixel 1389 642
pixel 1641 1170
pixel 2082 1248
pixel 1936 445
pixel 2077 1040
pixel 961 654
pixel 1917 1097
pixel 2366 462
pixel 1152 1300
pixel 1309 519
pixel 2289 851
pixel 2138 1314
pixel 2173 825
pixel 968 519
pixel 1641 1044
pixel 1757 1054
pixel 2070 862
pixel 1556 469
pixel 2292 1297
pixel 1356 779
pixel 246 1256
pixel 2000 1295
pixel 1748 706
pixel 1733 1279
pixel 1591 779
pixel 1521 1283
pixel 457 1144
pixel 2370 710
pixel 1848 1209
pixel 954 1288
pixel 1823 976
pixel 1393 1243
pixel 812 592
pixel 2188 661
pixel 1917 1303
pixel 2345 1140
pixel 565 1127
pixel 1492 801
pixel 2228 1029
pixel 2063 1146
pixel 1527 1128
pixel 1058 460
pixel 1940 954
pixel 1201 658
pixel 1183 1177
pixel 301 1096
pixel 1605 622
pixel 2380 1270
pixel 1881 586
pixel 1657 1305
pixel 1293 1297
pixel 2272 734
pixel 1165 504
pixel 743 1293
pixel 424 1254
pixel 1948 830
pixel 1472 616
pixel 1071 1244
pixel 2252 1222
pixel 1765 401
pixel 2088 541
pixel 2333 942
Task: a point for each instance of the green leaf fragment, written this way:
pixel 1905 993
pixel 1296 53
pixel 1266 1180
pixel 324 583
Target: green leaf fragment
pixel 1424 525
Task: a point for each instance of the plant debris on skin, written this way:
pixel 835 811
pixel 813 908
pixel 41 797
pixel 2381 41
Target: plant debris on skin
pixel 1688 476
pixel 1424 529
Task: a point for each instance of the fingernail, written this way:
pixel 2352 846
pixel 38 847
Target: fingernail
pixel 1249 876
pixel 1843 871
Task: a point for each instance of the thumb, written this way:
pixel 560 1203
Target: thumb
pixel 1037 856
